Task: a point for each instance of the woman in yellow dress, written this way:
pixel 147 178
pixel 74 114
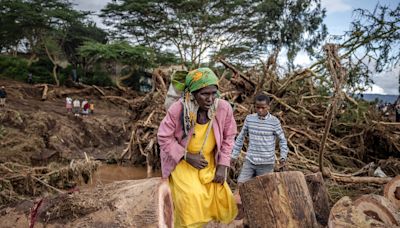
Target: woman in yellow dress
pixel 196 138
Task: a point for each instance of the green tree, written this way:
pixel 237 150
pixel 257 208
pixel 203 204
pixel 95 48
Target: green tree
pixel 191 27
pixel 196 28
pixel 372 44
pixel 120 58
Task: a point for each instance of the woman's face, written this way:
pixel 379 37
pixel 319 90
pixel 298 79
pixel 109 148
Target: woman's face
pixel 205 97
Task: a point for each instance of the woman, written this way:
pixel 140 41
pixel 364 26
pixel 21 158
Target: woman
pixel 196 139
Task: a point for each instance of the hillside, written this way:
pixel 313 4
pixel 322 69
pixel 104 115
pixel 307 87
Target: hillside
pixel 36 131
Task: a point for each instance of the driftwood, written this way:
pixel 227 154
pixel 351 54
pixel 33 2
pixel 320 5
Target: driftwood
pixel 319 196
pixel 345 214
pixel 99 90
pixel 392 191
pixel 134 203
pixel 378 208
pixel 237 72
pixel 339 77
pixel 45 90
pixel 278 200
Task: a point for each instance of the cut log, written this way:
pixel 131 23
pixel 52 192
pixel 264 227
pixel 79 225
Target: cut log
pixel 378 208
pixel 345 215
pixel 319 196
pixel 278 200
pixel 392 191
pixel 133 203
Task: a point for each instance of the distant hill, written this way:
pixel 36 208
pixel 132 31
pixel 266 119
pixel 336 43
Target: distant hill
pixel 385 98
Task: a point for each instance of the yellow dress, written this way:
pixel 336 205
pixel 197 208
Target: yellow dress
pixel 198 200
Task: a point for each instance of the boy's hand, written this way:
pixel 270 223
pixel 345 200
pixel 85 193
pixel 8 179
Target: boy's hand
pixel 282 165
pixel 220 174
pixel 196 160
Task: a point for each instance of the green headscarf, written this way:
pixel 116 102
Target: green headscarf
pixel 195 80
pixel 200 78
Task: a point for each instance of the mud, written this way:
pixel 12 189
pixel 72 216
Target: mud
pixel 37 132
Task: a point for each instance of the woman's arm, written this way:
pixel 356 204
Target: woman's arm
pixel 228 137
pixel 171 152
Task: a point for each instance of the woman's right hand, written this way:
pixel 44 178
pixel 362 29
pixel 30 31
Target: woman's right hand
pixel 196 160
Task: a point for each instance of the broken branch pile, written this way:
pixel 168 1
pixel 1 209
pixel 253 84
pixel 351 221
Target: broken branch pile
pixel 19 181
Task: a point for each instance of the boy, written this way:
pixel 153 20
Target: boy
pixel 262 128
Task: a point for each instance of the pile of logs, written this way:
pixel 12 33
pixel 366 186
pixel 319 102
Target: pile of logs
pixel 290 199
pixel 369 210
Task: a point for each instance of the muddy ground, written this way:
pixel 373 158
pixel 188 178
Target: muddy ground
pixel 35 131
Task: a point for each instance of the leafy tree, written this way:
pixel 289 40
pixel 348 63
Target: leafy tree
pixel 191 27
pixel 120 58
pixel 78 33
pixel 373 43
pixel 12 23
pixel 49 27
pixel 195 28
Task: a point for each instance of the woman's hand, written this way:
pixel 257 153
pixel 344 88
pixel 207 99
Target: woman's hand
pixel 220 174
pixel 196 160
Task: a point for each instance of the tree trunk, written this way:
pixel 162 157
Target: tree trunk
pixel 319 196
pixel 133 203
pixel 44 94
pixel 55 75
pixel 278 200
pixel 378 208
pixel 345 215
pixel 392 191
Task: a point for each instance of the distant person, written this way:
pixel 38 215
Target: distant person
pixel 74 75
pixel 85 107
pixel 3 96
pixel 76 107
pixel 68 104
pixel 91 107
pixel 387 109
pixel 30 78
pixel 261 128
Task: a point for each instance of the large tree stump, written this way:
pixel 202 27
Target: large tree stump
pixel 133 203
pixel 392 191
pixel 278 200
pixel 345 215
pixel 378 208
pixel 319 196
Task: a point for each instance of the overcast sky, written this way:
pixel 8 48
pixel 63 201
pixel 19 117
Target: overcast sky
pixel 339 16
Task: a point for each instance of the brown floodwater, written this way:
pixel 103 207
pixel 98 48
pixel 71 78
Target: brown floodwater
pixel 108 173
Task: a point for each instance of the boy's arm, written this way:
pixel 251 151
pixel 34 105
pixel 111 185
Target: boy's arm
pixel 282 141
pixel 239 140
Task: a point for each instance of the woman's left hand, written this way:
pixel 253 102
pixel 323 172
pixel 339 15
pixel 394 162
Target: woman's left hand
pixel 220 174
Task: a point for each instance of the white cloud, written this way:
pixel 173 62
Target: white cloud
pixel 375 89
pixel 333 6
pixel 389 80
pixel 94 7
pixel 90 5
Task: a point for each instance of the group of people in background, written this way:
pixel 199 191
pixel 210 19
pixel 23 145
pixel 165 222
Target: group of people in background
pixel 387 109
pixel 78 106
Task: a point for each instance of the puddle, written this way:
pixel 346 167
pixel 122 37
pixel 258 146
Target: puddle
pixel 107 173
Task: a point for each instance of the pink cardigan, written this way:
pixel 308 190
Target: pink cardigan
pixel 172 144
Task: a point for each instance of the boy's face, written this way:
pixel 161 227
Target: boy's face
pixel 262 108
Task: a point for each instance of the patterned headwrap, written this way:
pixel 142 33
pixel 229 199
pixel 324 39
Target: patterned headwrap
pixel 195 80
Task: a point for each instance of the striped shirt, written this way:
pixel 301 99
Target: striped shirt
pixel 262 134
